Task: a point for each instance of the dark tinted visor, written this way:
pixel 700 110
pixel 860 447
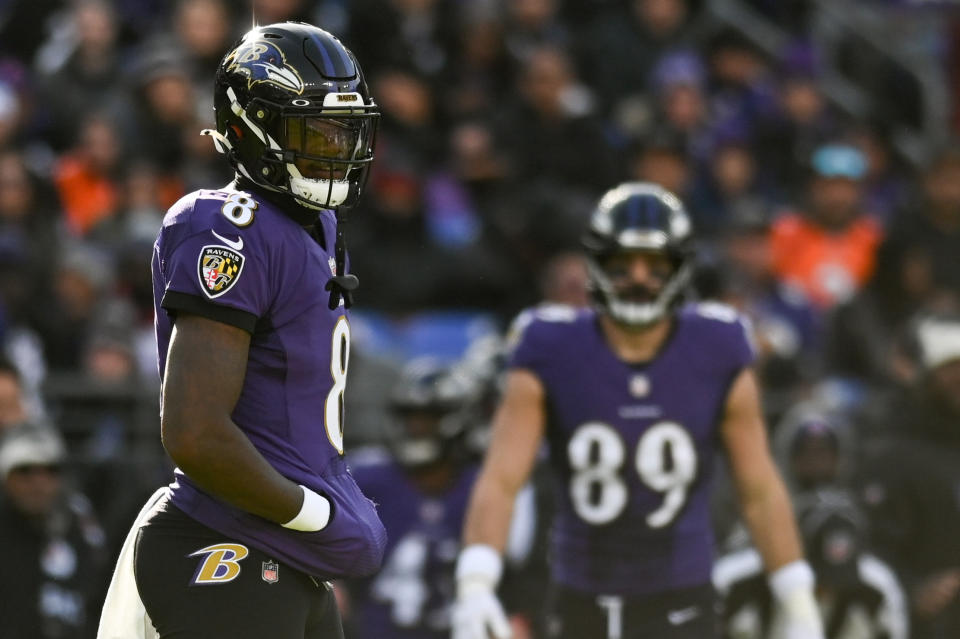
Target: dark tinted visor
pixel 322 137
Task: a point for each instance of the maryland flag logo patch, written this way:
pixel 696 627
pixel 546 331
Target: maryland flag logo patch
pixel 219 269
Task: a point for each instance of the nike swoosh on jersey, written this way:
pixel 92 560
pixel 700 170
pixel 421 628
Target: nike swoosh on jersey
pixel 235 245
pixel 683 615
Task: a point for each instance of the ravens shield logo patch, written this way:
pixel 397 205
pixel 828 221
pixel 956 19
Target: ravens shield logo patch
pixel 219 269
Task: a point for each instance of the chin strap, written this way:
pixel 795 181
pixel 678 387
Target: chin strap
pixel 341 284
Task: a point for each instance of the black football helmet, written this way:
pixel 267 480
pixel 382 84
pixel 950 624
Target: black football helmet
pixel 431 403
pixel 638 217
pixel 294 114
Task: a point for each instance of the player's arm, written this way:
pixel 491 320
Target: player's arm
pixel 766 506
pixel 516 435
pixel 517 431
pixel 206 366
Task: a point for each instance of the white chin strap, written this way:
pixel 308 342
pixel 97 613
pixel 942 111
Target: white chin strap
pixel 323 193
pixel 635 313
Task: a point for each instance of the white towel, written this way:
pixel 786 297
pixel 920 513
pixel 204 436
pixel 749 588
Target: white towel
pixel 123 615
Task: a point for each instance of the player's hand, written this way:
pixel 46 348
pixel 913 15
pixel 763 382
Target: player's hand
pixel 477 613
pixel 793 587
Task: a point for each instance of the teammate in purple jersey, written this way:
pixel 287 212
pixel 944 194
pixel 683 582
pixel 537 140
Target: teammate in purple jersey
pixel 422 483
pixel 251 298
pixel 633 399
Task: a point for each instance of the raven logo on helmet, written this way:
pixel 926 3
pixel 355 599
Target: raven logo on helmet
pixel 262 61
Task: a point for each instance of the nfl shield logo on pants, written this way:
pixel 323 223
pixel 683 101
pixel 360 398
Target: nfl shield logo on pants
pixel 271 572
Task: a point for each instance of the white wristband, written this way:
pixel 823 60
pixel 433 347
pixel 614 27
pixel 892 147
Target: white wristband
pixel 793 577
pixel 479 562
pixel 314 514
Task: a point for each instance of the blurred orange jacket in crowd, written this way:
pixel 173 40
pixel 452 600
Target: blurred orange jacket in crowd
pixel 827 265
pixel 87 197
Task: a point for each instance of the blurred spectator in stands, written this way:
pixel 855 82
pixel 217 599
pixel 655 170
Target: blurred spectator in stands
pixel 805 121
pixel 402 270
pixel 83 278
pixel 163 113
pixel 25 24
pixel 886 187
pixel 55 566
pixel 933 223
pixel 730 184
pixel 416 34
pixel 564 281
pixel 828 251
pixel 867 339
pixel 87 77
pixel 204 30
pixel 12 115
pixel 661 157
pixel 786 329
pixel 531 25
pixel 742 91
pixel 679 84
pixel 859 594
pixel 408 120
pixel 480 74
pixel 13 407
pixel 141 212
pixel 562 140
pixel 86 177
pixel 914 479
pixel 28 224
pixel 617 51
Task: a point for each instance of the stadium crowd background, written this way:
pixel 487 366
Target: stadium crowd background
pixel 833 223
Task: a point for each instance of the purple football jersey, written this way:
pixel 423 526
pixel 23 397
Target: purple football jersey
pixel 632 445
pixel 411 597
pixel 233 257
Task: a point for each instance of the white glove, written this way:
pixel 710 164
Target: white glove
pixel 792 585
pixel 477 610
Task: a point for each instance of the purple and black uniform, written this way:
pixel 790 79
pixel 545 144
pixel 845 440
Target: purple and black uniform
pixel 235 258
pixel 411 597
pixel 632 446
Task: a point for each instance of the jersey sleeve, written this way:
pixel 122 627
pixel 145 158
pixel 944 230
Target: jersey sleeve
pixel 532 333
pixel 743 350
pixel 727 333
pixel 522 342
pixel 217 277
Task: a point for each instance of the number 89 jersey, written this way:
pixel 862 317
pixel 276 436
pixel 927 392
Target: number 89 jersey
pixel 632 445
pixel 230 256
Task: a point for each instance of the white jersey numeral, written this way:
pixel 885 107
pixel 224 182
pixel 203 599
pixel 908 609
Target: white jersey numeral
pixel 598 492
pixel 665 460
pixel 239 209
pixel 402 582
pixel 339 362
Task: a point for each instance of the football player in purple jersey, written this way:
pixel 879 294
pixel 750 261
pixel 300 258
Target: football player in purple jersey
pixel 251 298
pixel 633 398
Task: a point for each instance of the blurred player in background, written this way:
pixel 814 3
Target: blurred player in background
pixel 422 484
pixel 251 298
pixel 858 593
pixel 633 399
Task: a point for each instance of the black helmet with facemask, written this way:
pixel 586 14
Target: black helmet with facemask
pixel 294 114
pixel 638 217
pixel 295 118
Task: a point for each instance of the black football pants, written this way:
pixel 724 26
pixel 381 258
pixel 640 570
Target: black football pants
pixel 198 584
pixel 679 614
